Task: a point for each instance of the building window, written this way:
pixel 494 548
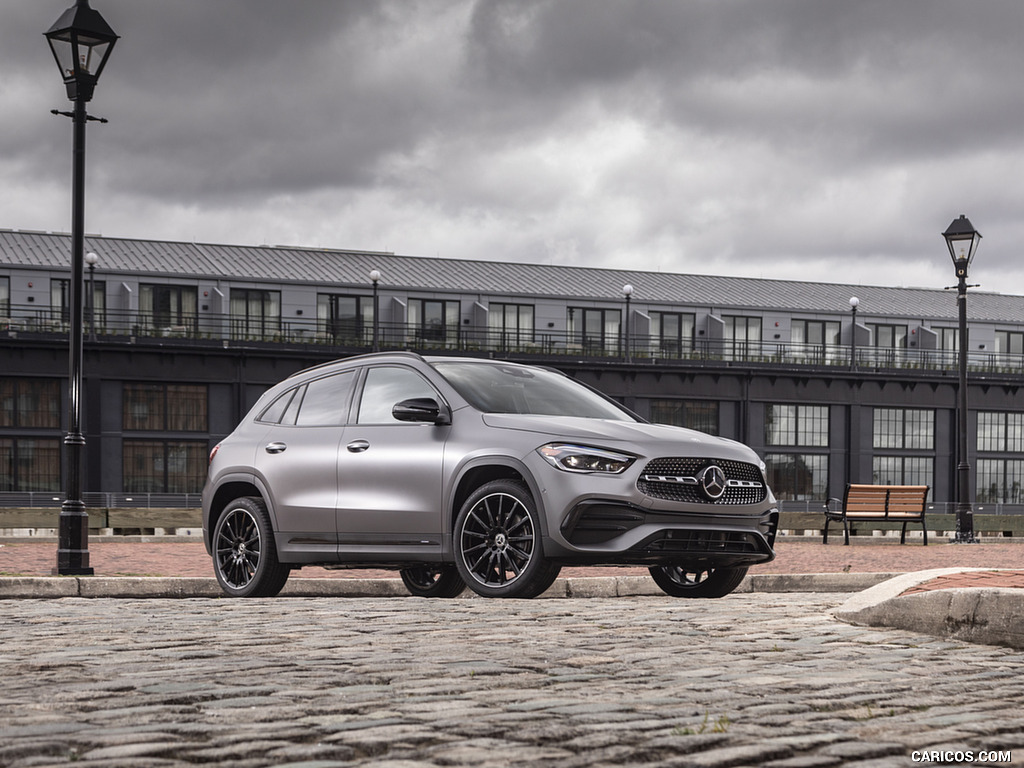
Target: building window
pixel 255 314
pixel 742 337
pixel 164 466
pixel 904 429
pixel 673 333
pixel 948 339
pixel 434 320
pixel 168 307
pixel 909 428
pixel 165 407
pixel 510 324
pixel 1000 481
pixel 797 425
pixel 702 416
pixel 60 301
pixel 1002 432
pixel 816 339
pixel 904 470
pixel 594 330
pixel 1009 343
pixel 5 297
pixel 797 476
pixel 346 320
pixel 1000 478
pixel 30 403
pixel 29 464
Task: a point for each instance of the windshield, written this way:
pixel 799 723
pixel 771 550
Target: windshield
pixel 497 388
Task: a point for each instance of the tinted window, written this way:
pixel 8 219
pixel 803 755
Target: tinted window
pixel 384 388
pixel 274 412
pixel 519 389
pixel 326 401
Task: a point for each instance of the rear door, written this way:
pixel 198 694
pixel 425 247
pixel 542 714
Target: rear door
pixel 298 459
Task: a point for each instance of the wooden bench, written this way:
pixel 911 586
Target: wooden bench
pixel 875 503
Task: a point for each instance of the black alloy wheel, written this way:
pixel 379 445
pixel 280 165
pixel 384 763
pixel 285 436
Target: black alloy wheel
pixel 498 543
pixel 433 581
pixel 680 581
pixel 244 556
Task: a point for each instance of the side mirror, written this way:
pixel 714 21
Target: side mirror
pixel 421 409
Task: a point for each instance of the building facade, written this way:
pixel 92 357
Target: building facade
pixel 182 338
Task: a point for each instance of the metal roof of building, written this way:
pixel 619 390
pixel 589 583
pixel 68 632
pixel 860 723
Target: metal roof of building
pixel 285 264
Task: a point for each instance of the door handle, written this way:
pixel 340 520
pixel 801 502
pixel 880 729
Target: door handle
pixel 275 447
pixel 357 446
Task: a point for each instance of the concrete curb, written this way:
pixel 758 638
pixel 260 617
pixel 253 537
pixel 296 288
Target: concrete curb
pixel 43 587
pixel 974 615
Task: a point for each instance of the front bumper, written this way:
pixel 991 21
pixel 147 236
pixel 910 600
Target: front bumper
pixel 610 532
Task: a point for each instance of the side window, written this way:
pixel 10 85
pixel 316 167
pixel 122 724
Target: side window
pixel 272 414
pixel 326 401
pixel 384 388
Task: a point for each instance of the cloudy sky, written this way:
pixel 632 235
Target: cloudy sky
pixel 823 140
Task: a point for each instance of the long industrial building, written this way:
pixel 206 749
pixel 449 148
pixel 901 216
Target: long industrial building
pixel 181 338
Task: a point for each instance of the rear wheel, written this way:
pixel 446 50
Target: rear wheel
pixel 680 581
pixel 244 556
pixel 433 581
pixel 498 542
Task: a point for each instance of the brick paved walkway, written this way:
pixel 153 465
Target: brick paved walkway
pixel 189 559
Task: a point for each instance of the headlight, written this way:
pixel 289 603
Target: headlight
pixel 583 458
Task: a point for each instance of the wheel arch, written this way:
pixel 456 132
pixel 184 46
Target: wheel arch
pixel 485 470
pixel 226 492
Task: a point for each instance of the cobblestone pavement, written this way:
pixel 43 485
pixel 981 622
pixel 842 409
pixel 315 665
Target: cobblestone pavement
pixel 748 680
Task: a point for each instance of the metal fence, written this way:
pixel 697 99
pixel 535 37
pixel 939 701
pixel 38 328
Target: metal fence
pixel 116 326
pixel 102 500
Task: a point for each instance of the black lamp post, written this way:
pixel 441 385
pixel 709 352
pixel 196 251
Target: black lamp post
pixel 375 277
pixel 627 291
pixel 81 42
pixel 92 259
pixel 854 303
pixel 962 239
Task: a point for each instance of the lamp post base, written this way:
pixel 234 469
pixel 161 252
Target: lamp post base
pixel 73 543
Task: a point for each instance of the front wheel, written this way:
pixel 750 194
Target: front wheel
pixel 498 542
pixel 244 556
pixel 679 581
pixel 433 581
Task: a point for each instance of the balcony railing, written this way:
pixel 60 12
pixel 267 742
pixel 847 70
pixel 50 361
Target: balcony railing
pixel 114 326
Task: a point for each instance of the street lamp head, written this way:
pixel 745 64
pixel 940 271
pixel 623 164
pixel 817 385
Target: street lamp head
pixel 627 290
pixel 81 42
pixel 375 276
pixel 92 259
pixel 962 239
pixel 854 302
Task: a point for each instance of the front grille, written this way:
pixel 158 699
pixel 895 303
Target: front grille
pixel 706 543
pixel 678 479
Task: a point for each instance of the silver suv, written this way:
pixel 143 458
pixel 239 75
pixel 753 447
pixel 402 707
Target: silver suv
pixel 457 471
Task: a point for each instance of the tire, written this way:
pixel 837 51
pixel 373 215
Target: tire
pixel 498 542
pixel 433 581
pixel 244 555
pixel 714 582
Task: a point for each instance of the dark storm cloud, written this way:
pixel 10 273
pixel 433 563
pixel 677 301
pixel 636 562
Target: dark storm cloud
pixel 808 135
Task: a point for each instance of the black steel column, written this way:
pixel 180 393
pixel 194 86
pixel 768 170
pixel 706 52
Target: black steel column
pixel 964 514
pixel 73 531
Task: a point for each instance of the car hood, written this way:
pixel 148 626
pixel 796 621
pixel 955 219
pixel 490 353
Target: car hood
pixel 649 439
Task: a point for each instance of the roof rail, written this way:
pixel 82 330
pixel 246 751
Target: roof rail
pixel 369 355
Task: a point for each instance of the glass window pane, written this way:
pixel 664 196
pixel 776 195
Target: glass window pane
pixel 780 425
pixel 386 387
pixel 326 401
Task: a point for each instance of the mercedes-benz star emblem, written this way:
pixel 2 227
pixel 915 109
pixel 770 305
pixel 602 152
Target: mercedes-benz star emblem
pixel 712 480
